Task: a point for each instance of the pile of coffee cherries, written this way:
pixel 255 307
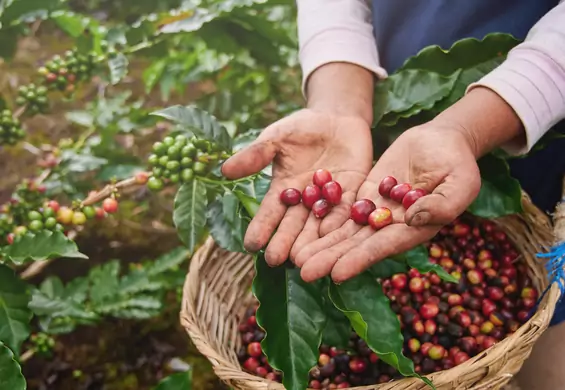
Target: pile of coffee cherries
pixel 443 324
pixel 324 193
pixel 320 196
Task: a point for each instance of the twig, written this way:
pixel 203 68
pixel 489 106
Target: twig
pixel 27 355
pixel 32 149
pixel 19 112
pixel 109 190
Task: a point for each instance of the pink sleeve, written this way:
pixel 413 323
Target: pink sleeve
pixel 336 31
pixel 532 79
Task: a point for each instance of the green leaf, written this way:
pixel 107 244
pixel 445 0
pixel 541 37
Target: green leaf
pixel 201 123
pixel 81 162
pixel 291 312
pixel 73 24
pixel 500 193
pixel 28 9
pixel 418 258
pixel 14 312
pixel 11 376
pixel 118 68
pixel 226 227
pixel 81 118
pixel 189 215
pixel 388 267
pixel 42 245
pixel 179 381
pixel 9 41
pixel 153 74
pixel 167 261
pixel 363 301
pixel 475 58
pixel 412 91
pixel 250 204
pixel 118 172
pixel 337 331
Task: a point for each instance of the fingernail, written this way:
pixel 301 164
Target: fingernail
pixel 420 219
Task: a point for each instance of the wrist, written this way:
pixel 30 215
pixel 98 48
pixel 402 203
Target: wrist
pixel 342 89
pixel 485 119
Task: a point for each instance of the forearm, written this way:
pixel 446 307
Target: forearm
pixel 485 119
pixel 338 55
pixel 342 88
pixel 532 80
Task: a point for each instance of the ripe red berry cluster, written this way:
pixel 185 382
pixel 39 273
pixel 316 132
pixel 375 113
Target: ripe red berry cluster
pixel 320 196
pixel 400 193
pixel 443 324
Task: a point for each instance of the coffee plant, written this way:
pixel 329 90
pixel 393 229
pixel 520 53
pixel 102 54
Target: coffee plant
pixel 405 317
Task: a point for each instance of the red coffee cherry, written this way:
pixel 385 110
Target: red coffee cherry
pixel 386 185
pixel 290 196
pixel 310 195
pixel 380 218
pixel 398 191
pixel 110 205
pixel 361 210
pixel 412 196
pixel 331 191
pixel 321 177
pixel 321 208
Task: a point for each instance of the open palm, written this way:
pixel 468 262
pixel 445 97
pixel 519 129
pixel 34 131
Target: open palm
pixel 297 146
pixel 438 160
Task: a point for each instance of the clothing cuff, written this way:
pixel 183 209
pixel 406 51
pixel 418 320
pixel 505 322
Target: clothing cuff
pixel 533 84
pixel 339 45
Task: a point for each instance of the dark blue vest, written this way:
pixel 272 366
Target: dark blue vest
pixel 402 28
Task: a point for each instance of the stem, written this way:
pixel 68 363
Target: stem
pixel 109 190
pixel 80 142
pixel 27 355
pixel 222 182
pixel 32 149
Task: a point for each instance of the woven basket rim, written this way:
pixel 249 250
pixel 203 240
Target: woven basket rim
pixel 234 376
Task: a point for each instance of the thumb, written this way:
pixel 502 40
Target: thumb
pixel 447 201
pixel 254 157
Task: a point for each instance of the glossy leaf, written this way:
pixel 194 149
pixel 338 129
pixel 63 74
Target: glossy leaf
pixel 17 10
pixel 418 258
pixel 178 381
pixel 250 204
pixel 337 331
pixel 11 376
pixel 388 267
pixel 363 301
pixel 153 74
pixel 41 246
pixel 226 227
pixel 474 57
pixel 500 193
pixel 14 312
pixel 70 22
pixel 291 312
pixel 118 65
pixel 189 215
pixel 201 123
pixel 412 91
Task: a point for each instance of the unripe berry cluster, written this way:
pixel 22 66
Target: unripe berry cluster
pixel 34 97
pixel 180 159
pixel 10 129
pixel 62 73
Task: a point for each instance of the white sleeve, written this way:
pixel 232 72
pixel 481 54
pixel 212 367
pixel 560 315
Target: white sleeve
pixel 336 31
pixel 532 79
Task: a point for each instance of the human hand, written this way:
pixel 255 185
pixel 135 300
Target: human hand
pixel 297 146
pixel 437 157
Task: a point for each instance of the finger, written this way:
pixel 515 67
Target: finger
pixel 339 214
pixel 391 240
pixel 309 234
pixel 337 236
pixel 289 229
pixel 447 201
pixel 322 263
pixel 262 226
pixel 255 157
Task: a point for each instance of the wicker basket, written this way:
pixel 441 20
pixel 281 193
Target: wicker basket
pixel 217 292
